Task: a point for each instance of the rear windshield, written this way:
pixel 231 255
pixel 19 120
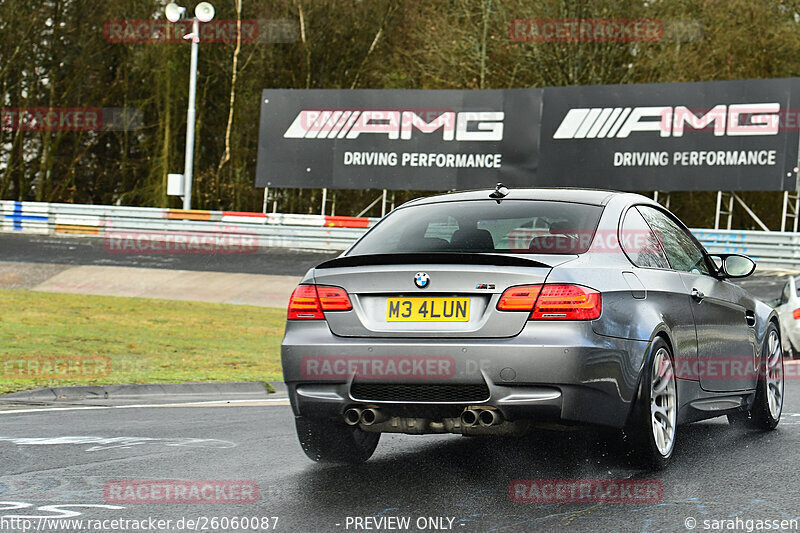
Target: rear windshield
pixel 512 226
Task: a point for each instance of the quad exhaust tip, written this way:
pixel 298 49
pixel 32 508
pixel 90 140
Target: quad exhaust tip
pixel 371 416
pixel 489 417
pixel 352 416
pixel 469 417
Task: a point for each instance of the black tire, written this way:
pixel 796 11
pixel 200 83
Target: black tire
pixel 648 451
pixel 326 441
pixel 764 415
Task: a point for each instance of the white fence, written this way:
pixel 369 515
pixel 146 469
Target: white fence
pixel 262 230
pixel 769 249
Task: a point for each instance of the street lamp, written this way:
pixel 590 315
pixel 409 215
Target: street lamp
pixel 204 12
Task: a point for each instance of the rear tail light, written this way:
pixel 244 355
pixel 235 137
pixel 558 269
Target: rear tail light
pixel 521 298
pixel 567 302
pixel 304 304
pixel 333 298
pixel 796 314
pixel 553 302
pixel 309 302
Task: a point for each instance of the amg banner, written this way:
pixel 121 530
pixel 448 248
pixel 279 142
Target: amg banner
pixel 398 139
pixel 731 135
pixel 726 135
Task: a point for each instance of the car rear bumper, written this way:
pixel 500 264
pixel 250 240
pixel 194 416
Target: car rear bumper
pixel 549 372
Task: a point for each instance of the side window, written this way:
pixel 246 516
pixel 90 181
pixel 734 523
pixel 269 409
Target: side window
pixel 683 254
pixel 640 243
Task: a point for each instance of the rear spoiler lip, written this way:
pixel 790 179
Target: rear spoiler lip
pixel 437 258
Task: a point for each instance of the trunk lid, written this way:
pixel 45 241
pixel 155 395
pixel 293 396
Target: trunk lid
pixel 459 300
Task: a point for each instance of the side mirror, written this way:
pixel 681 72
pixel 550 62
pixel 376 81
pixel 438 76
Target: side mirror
pixel 733 265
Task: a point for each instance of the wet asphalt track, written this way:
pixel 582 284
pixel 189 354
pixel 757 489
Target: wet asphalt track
pixel 717 473
pixel 274 261
pixel 90 251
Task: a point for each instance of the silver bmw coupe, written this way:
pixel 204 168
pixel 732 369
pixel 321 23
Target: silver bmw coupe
pixel 491 312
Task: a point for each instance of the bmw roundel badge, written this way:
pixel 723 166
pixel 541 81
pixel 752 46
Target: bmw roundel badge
pixel 422 280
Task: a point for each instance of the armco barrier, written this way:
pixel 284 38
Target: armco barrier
pixel 269 230
pixel 770 249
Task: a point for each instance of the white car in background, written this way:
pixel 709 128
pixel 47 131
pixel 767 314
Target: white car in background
pixel 788 308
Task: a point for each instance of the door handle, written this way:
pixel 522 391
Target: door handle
pixel 697 295
pixel 750 316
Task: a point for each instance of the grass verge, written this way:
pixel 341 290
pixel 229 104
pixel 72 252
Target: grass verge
pixel 52 339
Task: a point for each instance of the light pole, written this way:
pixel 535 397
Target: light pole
pixel 204 12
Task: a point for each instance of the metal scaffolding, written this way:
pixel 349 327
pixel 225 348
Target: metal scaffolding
pixel 791 208
pixel 728 198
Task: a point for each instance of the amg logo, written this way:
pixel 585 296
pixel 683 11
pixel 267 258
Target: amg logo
pixel 349 124
pixel 619 122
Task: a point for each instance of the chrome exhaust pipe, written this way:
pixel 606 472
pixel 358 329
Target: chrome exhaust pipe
pixel 469 417
pixel 489 417
pixel 353 416
pixel 372 416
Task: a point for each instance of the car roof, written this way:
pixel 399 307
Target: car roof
pixel 583 196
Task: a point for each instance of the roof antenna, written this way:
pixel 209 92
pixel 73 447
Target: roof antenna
pixel 500 192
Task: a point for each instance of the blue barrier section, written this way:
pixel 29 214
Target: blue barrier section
pixel 18 218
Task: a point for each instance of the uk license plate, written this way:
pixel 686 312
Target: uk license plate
pixel 427 310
